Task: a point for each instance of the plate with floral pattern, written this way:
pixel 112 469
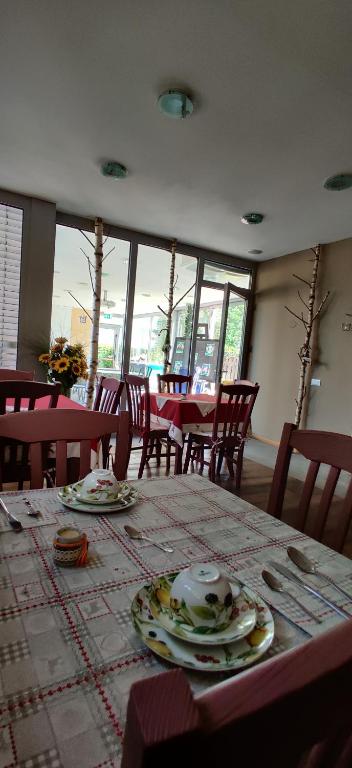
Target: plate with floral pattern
pixel 210 658
pixel 174 621
pixel 68 497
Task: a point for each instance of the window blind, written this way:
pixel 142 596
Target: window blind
pixel 10 275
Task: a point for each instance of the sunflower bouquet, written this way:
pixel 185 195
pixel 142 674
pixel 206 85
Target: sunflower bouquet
pixel 65 363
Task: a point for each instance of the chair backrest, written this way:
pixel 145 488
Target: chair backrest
pixel 236 417
pixel 329 448
pixel 38 428
pixel 292 711
pixel 22 395
pixel 108 395
pixel 174 382
pixel 138 400
pixel 14 375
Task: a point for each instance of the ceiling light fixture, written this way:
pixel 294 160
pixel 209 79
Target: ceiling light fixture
pixel 175 104
pixel 252 218
pixel 339 182
pixel 114 170
pixel 255 251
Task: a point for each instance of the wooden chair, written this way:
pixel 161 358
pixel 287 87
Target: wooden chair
pixel 143 425
pixel 107 400
pixel 38 429
pixel 328 448
pixel 20 395
pixel 174 383
pixel 14 375
pixel 291 711
pixel 227 440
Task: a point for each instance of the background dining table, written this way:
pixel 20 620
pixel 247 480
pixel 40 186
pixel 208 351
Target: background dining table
pixel 68 649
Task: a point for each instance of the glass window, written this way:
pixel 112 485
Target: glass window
pixel 73 299
pixel 10 276
pixel 218 274
pixel 148 335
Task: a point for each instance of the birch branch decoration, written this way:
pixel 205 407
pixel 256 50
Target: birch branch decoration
pixel 98 262
pixel 170 309
pixel 308 321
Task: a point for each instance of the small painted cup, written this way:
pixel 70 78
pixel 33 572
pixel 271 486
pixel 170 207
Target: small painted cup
pixel 202 596
pixel 70 546
pixel 100 485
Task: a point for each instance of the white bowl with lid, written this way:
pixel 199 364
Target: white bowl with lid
pixel 201 596
pixel 99 486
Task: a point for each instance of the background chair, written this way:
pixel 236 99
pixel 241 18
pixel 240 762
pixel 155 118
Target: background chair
pixel 107 400
pixel 335 450
pixel 227 440
pixel 143 425
pixel 15 396
pixel 14 375
pixel 174 383
pixel 292 711
pixel 38 429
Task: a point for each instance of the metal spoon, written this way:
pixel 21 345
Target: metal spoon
pixel 278 586
pixel 134 533
pixel 308 566
pixel 12 520
pixel 30 509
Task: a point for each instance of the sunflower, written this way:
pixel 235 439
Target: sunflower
pixel 61 340
pixel 45 358
pixel 56 348
pixel 53 365
pixel 76 369
pixel 75 360
pixel 62 364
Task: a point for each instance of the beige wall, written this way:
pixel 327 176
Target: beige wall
pixel 277 337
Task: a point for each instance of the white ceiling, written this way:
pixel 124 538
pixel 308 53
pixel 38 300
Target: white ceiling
pixel 272 83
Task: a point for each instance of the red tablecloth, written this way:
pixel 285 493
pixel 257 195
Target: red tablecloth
pixel 43 402
pixel 185 413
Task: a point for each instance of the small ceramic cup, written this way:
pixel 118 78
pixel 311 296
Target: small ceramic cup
pixel 99 485
pixel 201 596
pixel 70 546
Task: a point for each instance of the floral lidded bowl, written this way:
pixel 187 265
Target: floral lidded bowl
pixel 100 485
pixel 202 596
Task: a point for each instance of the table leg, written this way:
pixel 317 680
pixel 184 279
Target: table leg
pixel 178 459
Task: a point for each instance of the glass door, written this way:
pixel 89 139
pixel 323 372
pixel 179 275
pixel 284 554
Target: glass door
pixel 218 341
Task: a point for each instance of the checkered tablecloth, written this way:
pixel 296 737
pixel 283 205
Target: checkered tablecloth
pixel 68 650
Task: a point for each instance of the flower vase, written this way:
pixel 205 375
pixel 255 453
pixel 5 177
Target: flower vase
pixel 66 391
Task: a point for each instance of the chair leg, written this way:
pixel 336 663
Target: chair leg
pixel 168 455
pixel 220 460
pixel 151 448
pixel 188 455
pixel 230 462
pixel 158 452
pixel 239 464
pixel 212 465
pixel 178 459
pixel 143 458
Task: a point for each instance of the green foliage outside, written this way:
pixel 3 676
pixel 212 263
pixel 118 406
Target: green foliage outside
pixel 234 329
pixel 155 354
pixel 105 356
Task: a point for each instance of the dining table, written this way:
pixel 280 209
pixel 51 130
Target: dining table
pixel 185 413
pixel 68 647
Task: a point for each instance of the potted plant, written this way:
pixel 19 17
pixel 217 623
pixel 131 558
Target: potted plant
pixel 65 363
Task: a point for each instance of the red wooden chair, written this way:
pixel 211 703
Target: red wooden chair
pixel 38 429
pixel 229 432
pixel 143 424
pixel 107 400
pixel 292 711
pixel 328 448
pixel 174 382
pixel 20 395
pixel 13 375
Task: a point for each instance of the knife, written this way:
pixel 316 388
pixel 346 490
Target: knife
pixel 12 520
pixel 293 577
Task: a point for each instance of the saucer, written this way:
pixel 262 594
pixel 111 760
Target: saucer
pixel 209 658
pixel 110 496
pixel 243 616
pixel 69 498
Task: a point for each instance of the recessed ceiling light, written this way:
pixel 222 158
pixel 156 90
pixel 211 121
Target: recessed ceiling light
pixel 80 283
pixel 255 251
pixel 339 182
pixel 114 170
pixel 146 295
pixel 252 218
pixel 175 103
pixel 125 261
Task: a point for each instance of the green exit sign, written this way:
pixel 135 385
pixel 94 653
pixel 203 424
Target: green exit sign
pixel 107 316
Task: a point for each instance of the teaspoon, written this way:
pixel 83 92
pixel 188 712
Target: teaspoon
pixel 308 566
pixel 277 585
pixel 134 533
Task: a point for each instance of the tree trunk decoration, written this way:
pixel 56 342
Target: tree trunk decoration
pixel 309 322
pixel 170 309
pixel 96 287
